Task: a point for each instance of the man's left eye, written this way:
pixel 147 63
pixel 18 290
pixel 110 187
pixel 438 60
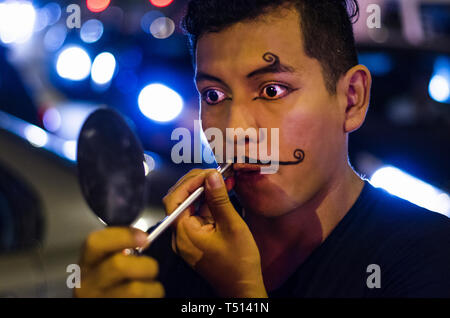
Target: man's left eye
pixel 274 91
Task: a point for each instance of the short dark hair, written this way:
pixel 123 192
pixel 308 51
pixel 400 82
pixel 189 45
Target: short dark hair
pixel 326 24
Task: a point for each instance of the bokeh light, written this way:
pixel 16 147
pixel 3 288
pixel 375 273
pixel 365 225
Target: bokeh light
pixel 36 136
pixel 16 21
pixel 42 20
pixel 52 119
pixel 439 88
pixel 379 63
pixel 73 63
pixel 162 28
pixel 161 3
pixel 97 5
pixel 149 164
pixel 70 150
pixel 73 115
pixel 53 12
pixel 405 186
pixel 148 19
pixel 160 103
pixel 91 31
pixel 103 68
pixel 54 37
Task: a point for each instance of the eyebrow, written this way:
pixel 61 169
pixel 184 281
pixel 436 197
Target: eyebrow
pixel 269 69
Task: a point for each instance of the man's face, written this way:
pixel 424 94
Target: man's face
pixel 293 99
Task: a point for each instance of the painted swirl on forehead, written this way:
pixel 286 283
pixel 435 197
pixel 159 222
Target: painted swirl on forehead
pixel 299 156
pixel 275 63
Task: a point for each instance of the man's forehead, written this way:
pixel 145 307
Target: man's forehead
pixel 272 65
pixel 243 44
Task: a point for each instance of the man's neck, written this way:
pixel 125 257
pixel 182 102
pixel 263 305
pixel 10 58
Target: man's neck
pixel 285 242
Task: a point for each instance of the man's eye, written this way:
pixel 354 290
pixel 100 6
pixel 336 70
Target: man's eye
pixel 274 91
pixel 213 96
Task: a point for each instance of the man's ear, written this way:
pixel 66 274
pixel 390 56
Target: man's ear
pixel 355 86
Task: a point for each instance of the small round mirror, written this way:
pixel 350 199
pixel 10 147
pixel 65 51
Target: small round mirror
pixel 111 168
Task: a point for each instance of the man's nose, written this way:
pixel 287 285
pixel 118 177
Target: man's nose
pixel 241 116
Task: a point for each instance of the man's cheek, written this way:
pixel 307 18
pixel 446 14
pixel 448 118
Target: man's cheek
pixel 298 130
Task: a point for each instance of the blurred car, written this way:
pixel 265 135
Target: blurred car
pixel 43 219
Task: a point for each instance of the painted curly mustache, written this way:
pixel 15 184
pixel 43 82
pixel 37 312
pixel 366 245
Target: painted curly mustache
pixel 299 156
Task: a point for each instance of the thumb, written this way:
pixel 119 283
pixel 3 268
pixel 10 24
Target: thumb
pixel 219 203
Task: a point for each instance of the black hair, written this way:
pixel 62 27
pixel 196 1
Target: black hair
pixel 326 26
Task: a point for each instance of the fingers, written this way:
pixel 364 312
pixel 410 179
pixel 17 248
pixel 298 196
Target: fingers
pixel 188 240
pixel 184 187
pixel 107 272
pixel 205 214
pixel 216 194
pixel 102 243
pixel 219 203
pixel 190 174
pixel 136 289
pixel 119 268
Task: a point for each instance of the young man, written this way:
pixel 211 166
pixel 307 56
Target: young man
pixel 313 229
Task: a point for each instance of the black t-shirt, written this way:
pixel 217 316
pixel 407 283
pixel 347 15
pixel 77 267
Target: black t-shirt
pixel 382 241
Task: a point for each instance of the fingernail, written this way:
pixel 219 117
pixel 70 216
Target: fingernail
pixel 140 238
pixel 215 180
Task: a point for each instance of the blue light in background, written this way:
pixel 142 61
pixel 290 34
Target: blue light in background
pixel 91 31
pixel 379 64
pixel 103 68
pixel 407 187
pixel 54 37
pixel 130 57
pixel 439 87
pixel 73 115
pixel 73 63
pixel 149 163
pixel 162 28
pixel 42 20
pixel 53 12
pixel 16 21
pixel 126 81
pixel 52 119
pixel 70 149
pixel 148 19
pixel 36 136
pixel 160 103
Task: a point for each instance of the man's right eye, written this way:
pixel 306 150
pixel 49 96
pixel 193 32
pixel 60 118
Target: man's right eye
pixel 213 96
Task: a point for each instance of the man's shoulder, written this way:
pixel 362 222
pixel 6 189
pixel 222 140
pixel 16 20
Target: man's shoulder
pixel 400 214
pixel 396 223
pixel 411 245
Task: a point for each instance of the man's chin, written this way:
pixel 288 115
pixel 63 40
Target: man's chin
pixel 261 204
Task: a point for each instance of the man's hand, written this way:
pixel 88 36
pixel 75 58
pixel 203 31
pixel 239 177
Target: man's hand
pixel 107 272
pixel 216 242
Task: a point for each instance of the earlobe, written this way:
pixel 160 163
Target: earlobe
pixel 358 82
